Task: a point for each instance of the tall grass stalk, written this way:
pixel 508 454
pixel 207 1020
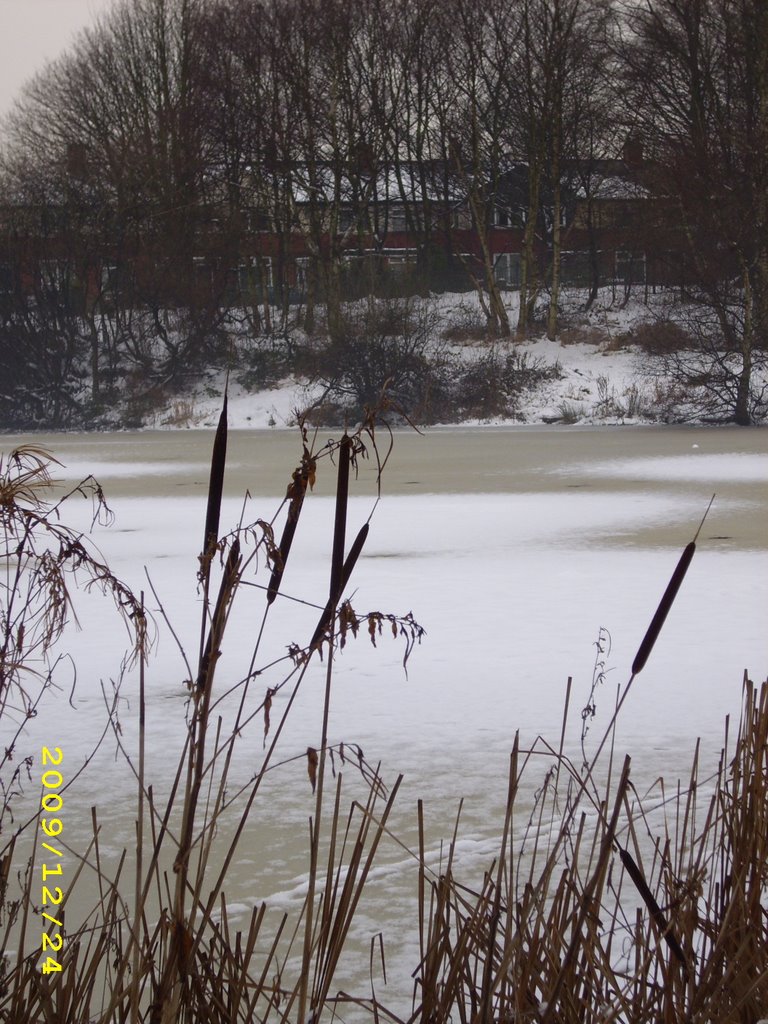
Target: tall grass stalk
pixel 161 970
pixel 598 905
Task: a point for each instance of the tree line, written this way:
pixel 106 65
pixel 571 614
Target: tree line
pixel 238 120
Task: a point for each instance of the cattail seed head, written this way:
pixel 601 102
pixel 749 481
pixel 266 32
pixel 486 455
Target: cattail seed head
pixel 665 604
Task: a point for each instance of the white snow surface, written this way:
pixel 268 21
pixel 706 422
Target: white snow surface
pixel 585 370
pixel 600 383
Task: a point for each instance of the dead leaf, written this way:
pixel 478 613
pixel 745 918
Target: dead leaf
pixel 312 766
pixel 267 708
pixel 372 621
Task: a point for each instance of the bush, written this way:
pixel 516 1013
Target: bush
pixel 265 362
pixel 42 352
pixel 467 324
pixel 395 344
pixel 491 384
pixel 383 344
pixel 661 337
pixel 584 335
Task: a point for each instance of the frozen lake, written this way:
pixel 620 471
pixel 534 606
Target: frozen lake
pixel 512 547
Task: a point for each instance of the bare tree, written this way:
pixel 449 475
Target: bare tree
pixel 593 134
pixel 413 62
pixel 697 87
pixel 560 39
pixel 484 42
pixel 579 126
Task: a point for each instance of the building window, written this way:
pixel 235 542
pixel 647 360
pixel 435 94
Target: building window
pixel 108 278
pixel 346 220
pixel 265 267
pixel 203 272
pixel 506 269
pixel 254 277
pixel 630 268
pixel 54 275
pixel 396 218
pixel 508 217
pixel 258 220
pixel 461 218
pixel 400 261
pixel 302 274
pixel 576 268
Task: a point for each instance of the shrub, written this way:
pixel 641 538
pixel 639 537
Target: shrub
pixel 264 362
pixel 383 344
pixel 661 337
pixel 571 412
pixel 491 383
pixel 584 335
pixel 467 324
pixel 42 352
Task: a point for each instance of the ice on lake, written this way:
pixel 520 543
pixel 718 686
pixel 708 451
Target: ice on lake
pixel 512 579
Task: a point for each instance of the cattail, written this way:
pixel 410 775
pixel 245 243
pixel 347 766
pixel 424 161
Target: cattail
pixel 228 579
pixel 665 604
pixel 216 484
pixel 296 492
pixel 340 520
pixel 346 572
pixel 667 600
pixel 352 557
pixel 656 912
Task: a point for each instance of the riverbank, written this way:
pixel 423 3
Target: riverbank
pixel 627 360
pixel 588 383
pixel 596 372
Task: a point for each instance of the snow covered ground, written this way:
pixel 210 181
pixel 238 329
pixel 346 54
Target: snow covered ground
pixel 593 386
pixel 599 383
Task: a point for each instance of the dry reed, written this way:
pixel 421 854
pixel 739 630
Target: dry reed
pixel 597 906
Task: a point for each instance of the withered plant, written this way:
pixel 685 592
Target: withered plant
pixel 600 905
pixel 39 557
pixel 160 948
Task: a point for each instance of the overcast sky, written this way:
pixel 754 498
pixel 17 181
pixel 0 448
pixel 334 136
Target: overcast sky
pixel 33 31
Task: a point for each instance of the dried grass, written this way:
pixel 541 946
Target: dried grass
pixel 598 906
pixel 627 923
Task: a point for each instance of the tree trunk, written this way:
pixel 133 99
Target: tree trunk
pixel 333 298
pixel 594 259
pixel 743 389
pixel 554 294
pixel 496 311
pixel 741 412
pixel 527 256
pixel 309 312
